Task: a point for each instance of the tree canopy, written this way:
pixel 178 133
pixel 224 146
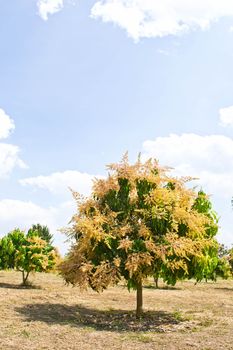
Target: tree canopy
pixel 140 222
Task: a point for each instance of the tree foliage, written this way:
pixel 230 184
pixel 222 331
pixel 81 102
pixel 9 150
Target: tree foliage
pixel 26 253
pixel 140 222
pixel 7 248
pixel 42 231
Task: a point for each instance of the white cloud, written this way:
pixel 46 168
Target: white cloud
pixel 58 183
pixel 9 154
pixel 9 159
pixel 6 125
pixel 210 158
pixel 207 157
pixel 156 18
pixel 49 7
pixel 226 116
pixel 22 214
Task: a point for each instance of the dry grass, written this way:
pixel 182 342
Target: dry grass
pixel 54 316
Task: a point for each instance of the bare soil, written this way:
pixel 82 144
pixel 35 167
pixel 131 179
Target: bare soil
pixel 51 315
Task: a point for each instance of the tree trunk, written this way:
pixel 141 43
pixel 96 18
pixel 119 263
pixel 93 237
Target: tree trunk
pixel 156 280
pixel 139 310
pixel 25 277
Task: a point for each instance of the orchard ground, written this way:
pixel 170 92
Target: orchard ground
pixel 51 315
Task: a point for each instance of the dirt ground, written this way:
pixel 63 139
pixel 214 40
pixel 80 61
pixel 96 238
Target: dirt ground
pixel 51 315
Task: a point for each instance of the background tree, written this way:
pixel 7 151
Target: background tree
pixel 26 253
pixel 139 222
pixel 213 263
pixel 8 250
pixel 230 259
pixel 42 231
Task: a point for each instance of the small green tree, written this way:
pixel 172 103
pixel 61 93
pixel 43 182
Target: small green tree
pixel 26 253
pixel 211 264
pixel 139 222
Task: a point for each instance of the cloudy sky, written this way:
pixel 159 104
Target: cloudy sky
pixel 82 81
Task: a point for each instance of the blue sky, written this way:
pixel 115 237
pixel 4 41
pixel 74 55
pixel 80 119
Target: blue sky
pixel 84 81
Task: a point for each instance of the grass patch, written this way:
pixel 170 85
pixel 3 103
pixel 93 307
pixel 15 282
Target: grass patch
pixel 143 338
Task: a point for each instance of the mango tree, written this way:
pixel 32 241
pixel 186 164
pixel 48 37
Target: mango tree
pixel 138 222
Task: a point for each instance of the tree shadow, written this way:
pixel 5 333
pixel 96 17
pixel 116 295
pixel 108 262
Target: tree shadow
pixel 19 286
pixel 162 287
pixel 226 289
pixel 101 320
